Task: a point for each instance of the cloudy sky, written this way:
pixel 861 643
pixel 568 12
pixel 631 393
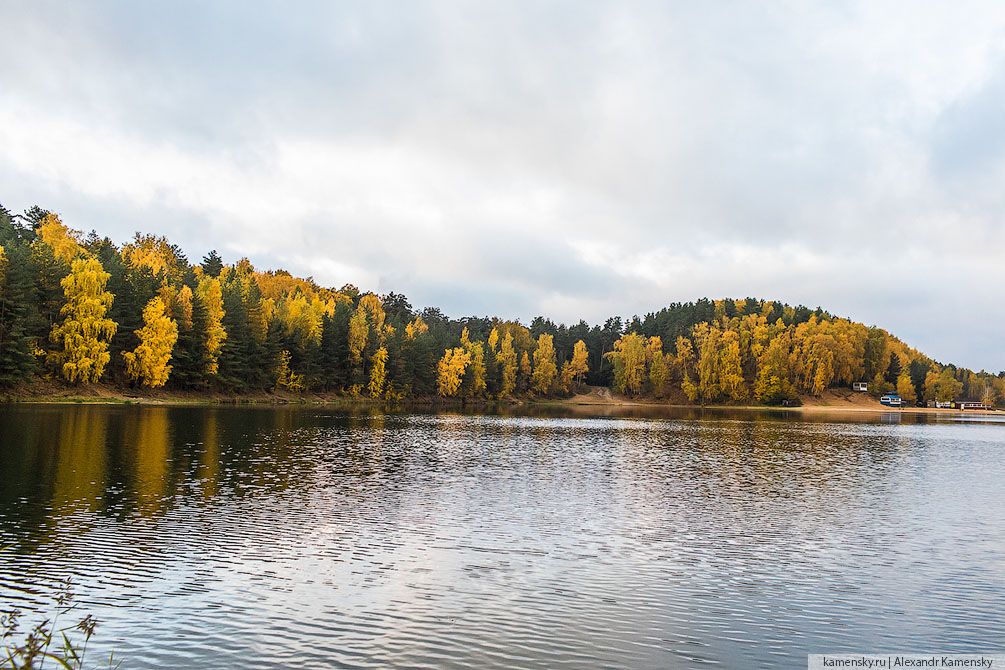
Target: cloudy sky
pixel 572 159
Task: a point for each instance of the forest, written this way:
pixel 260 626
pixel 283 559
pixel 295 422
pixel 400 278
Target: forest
pixel 79 309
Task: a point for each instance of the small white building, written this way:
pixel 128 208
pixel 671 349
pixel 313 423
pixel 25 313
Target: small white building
pixel 860 386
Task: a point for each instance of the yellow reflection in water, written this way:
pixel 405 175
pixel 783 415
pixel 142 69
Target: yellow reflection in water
pixel 146 438
pixel 80 458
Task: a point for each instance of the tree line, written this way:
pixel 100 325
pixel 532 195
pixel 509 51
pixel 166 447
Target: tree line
pixel 82 309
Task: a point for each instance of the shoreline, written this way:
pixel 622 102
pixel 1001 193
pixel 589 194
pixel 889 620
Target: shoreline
pixel 809 409
pixel 597 397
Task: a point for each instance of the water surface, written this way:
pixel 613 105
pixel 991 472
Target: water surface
pixel 267 538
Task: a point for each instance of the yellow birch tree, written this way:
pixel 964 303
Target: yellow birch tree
pixel 65 242
pixel 905 388
pixel 507 365
pixel 629 357
pixel 525 370
pixel 685 361
pixel 378 372
pixel 706 339
pixel 579 365
pixel 415 328
pixel 450 371
pixel 731 366
pixel 210 294
pixel 545 367
pixel 148 363
pixel 476 352
pixel 85 331
pixel 659 366
pixel 358 331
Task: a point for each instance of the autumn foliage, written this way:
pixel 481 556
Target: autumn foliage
pixel 82 337
pixel 83 309
pixel 148 363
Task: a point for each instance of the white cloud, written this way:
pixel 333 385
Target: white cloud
pixel 576 160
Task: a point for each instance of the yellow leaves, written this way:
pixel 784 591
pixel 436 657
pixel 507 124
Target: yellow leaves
pixel 730 354
pixel 629 357
pixel 525 368
pixel 276 284
pixel 476 359
pixel 244 267
pixel 813 349
pixel 573 370
pixel 494 340
pixel 706 339
pixel 378 372
pixel 450 371
pixel 148 363
pixel 772 389
pixel 658 364
pixel 366 320
pixel 828 350
pixel 302 317
pixel 477 367
pixel 580 361
pixel 374 311
pixel 508 365
pixel 151 252
pixel 685 356
pixel 211 296
pixel 659 373
pixel 731 367
pixel 415 328
pixel 545 368
pixel 65 242
pixel 905 389
pixel 183 303
pixel 947 387
pixel 285 377
pixel 85 331
pixel 358 330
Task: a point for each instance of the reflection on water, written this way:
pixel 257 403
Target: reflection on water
pixel 205 537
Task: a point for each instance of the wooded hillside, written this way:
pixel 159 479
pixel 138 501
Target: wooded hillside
pixel 82 309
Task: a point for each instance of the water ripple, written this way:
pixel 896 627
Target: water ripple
pixel 267 538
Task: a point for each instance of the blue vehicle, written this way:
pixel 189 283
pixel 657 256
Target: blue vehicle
pixel 892 400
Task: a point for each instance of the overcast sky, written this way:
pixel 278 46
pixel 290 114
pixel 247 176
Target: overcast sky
pixel 571 159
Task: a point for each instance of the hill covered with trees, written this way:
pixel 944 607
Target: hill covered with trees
pixel 82 309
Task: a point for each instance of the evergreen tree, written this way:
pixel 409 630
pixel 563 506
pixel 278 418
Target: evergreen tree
pixel 236 355
pixel 893 369
pixel 335 348
pixel 212 264
pixel 16 360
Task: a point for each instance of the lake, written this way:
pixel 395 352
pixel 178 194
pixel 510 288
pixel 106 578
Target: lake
pixel 222 537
